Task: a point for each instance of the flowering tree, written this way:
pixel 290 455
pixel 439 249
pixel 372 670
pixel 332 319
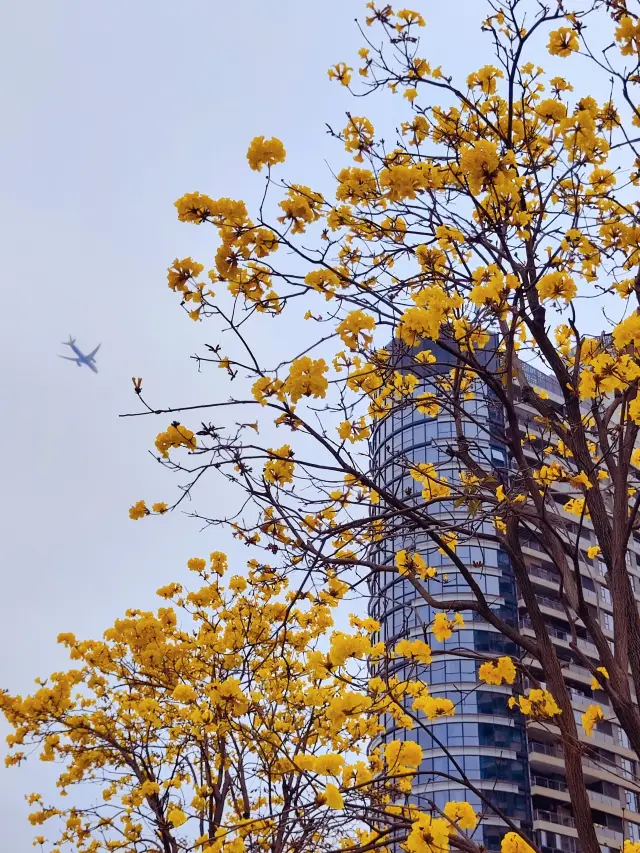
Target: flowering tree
pixel 498 224
pixel 240 734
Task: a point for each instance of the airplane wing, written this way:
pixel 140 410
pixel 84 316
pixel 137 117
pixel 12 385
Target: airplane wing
pixel 68 357
pixel 92 354
pixel 92 366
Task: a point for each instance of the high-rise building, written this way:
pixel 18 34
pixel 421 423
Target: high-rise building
pixel 509 760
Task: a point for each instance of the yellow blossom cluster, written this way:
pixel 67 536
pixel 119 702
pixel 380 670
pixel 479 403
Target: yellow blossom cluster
pixel 537 703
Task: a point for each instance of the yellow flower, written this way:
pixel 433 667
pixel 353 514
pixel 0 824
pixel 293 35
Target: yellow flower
pixel 138 510
pixel 409 17
pixel 218 562
pixel 356 325
pixel 576 506
pixel 556 285
pixel 301 207
pixel 176 816
pixel 181 272
pixel 176 435
pixel 496 673
pixel 406 563
pixel 593 715
pixel 405 753
pixel 159 507
pixel 462 814
pixel 444 627
pixel 333 798
pixel 414 650
pixel 551 111
pixel 340 72
pixel 265 152
pixel 428 835
pixel 184 693
pixel 627 332
pixel 358 136
pixel 279 469
pixel 450 540
pixel 306 379
pixel 537 703
pixel 237 583
pixel 486 79
pixel 563 42
pixel 628 34
pixel 595 683
pixel 434 707
pixel 514 843
pixel 581 479
pixel 354 431
pixel 196 564
pixel 480 164
pixel 593 551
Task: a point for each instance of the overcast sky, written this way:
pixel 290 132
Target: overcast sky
pixel 110 112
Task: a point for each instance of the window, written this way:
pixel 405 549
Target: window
pixel 631 800
pixel 605 595
pixel 498 455
pixel 547 839
pixel 633 831
pixel 446 428
pixel 607 621
pixel 621 735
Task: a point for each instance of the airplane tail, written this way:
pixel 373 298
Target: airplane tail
pixel 70 342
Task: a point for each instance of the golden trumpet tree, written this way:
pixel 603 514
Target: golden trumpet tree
pixel 457 269
pixel 450 276
pixel 233 731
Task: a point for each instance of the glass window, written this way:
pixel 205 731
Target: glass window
pixel 627 767
pixel 419 455
pixel 621 735
pixel 419 435
pixel 633 831
pixel 446 427
pixel 605 595
pixel 607 621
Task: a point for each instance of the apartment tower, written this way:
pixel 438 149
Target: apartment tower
pixel 514 762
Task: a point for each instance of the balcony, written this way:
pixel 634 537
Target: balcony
pixel 603 766
pixel 602 799
pixel 543 574
pixel 585 645
pixel 577 671
pixel 554 817
pixel 546 749
pixel 552 784
pixel 525 622
pixel 569 822
pixel 551 603
pixel 588 647
pixel 608 833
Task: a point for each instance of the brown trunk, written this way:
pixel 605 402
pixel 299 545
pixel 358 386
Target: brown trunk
pixel 554 678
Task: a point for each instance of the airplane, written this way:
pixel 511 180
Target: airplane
pixel 79 357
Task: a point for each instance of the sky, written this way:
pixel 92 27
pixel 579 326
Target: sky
pixel 114 110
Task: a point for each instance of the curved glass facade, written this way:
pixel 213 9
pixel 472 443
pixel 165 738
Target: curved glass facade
pixel 484 741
